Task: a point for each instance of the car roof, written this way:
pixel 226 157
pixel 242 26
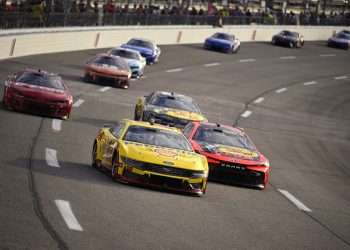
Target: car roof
pixel 233 128
pixel 151 125
pixel 179 96
pixel 144 39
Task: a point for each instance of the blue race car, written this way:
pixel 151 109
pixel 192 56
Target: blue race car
pixel 147 48
pixel 222 42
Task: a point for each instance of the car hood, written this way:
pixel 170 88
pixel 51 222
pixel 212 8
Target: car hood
pixel 133 62
pixel 40 92
pixel 164 156
pixel 142 50
pixel 339 40
pixel 182 114
pixel 219 41
pixel 224 151
pixel 106 69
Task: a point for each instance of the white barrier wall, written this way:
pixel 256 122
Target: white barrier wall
pixel 15 43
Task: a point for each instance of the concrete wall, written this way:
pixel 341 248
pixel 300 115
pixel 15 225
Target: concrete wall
pixel 15 43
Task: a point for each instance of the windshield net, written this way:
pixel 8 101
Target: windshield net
pixel 224 136
pixel 156 137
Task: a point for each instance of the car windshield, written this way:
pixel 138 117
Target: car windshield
pixel 111 62
pixel 288 33
pixel 141 43
pixel 40 79
pixel 175 103
pixel 223 36
pixel 343 36
pixel 125 54
pixel 224 136
pixel 156 137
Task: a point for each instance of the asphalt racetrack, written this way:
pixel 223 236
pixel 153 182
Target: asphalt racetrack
pixel 293 103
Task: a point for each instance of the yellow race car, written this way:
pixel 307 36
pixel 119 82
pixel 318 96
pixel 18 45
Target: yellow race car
pixel 168 108
pixel 150 154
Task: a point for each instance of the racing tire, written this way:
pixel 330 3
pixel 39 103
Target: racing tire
pixel 114 169
pixel 94 163
pixel 137 117
pixel 87 78
pixel 273 42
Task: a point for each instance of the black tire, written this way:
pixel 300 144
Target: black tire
pixel 114 168
pixel 137 117
pixel 94 163
pixel 87 78
pixel 273 42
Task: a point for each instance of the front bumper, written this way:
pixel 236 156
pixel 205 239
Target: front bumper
pixel 121 80
pixel 156 179
pixel 240 175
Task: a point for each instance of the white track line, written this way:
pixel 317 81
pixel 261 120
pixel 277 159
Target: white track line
pixel 340 77
pixel 211 64
pixel 174 70
pixel 51 158
pixel 104 89
pixel 56 125
pixel 247 60
pixel 67 215
pixel 246 113
pixel 259 100
pixel 327 55
pixel 287 57
pixel 78 103
pixel 281 90
pixel 296 202
pixel 309 83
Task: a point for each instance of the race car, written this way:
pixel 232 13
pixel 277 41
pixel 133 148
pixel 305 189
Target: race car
pixel 38 92
pixel 222 42
pixel 232 157
pixel 136 62
pixel 150 154
pixel 106 69
pixel 288 38
pixel 340 40
pixel 167 108
pixel 147 48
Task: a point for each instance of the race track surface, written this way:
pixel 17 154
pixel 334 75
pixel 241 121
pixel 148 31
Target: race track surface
pixel 293 103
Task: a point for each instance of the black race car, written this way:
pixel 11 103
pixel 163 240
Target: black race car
pixel 288 38
pixel 167 108
pixel 340 40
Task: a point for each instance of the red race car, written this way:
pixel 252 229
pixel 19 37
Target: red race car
pixel 231 155
pixel 38 92
pixel 107 69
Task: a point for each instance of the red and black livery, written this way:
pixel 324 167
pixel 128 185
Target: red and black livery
pixel 38 92
pixel 232 157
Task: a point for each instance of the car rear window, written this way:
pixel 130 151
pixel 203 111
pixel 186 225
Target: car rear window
pixel 125 54
pixel 156 137
pixel 224 136
pixel 141 43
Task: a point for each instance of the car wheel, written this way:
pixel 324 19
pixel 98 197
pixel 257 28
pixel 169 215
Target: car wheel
pixel 94 163
pixel 87 78
pixel 273 41
pixel 114 168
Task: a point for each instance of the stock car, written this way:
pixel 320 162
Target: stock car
pixel 38 92
pixel 106 69
pixel 340 40
pixel 147 48
pixel 136 62
pixel 288 38
pixel 167 108
pixel 222 42
pixel 150 154
pixel 231 155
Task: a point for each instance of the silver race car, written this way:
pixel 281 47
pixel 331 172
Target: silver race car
pixel 136 62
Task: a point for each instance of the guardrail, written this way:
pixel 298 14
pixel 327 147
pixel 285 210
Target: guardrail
pixel 23 42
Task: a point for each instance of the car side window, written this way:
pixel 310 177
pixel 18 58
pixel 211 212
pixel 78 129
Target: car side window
pixel 118 130
pixel 188 129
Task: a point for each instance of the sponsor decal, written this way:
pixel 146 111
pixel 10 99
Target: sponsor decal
pixel 230 151
pixel 165 153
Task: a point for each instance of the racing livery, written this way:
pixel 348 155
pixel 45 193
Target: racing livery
pixel 222 42
pixel 232 157
pixel 38 92
pixel 108 69
pixel 288 38
pixel 167 108
pixel 136 62
pixel 147 48
pixel 150 154
pixel 340 40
